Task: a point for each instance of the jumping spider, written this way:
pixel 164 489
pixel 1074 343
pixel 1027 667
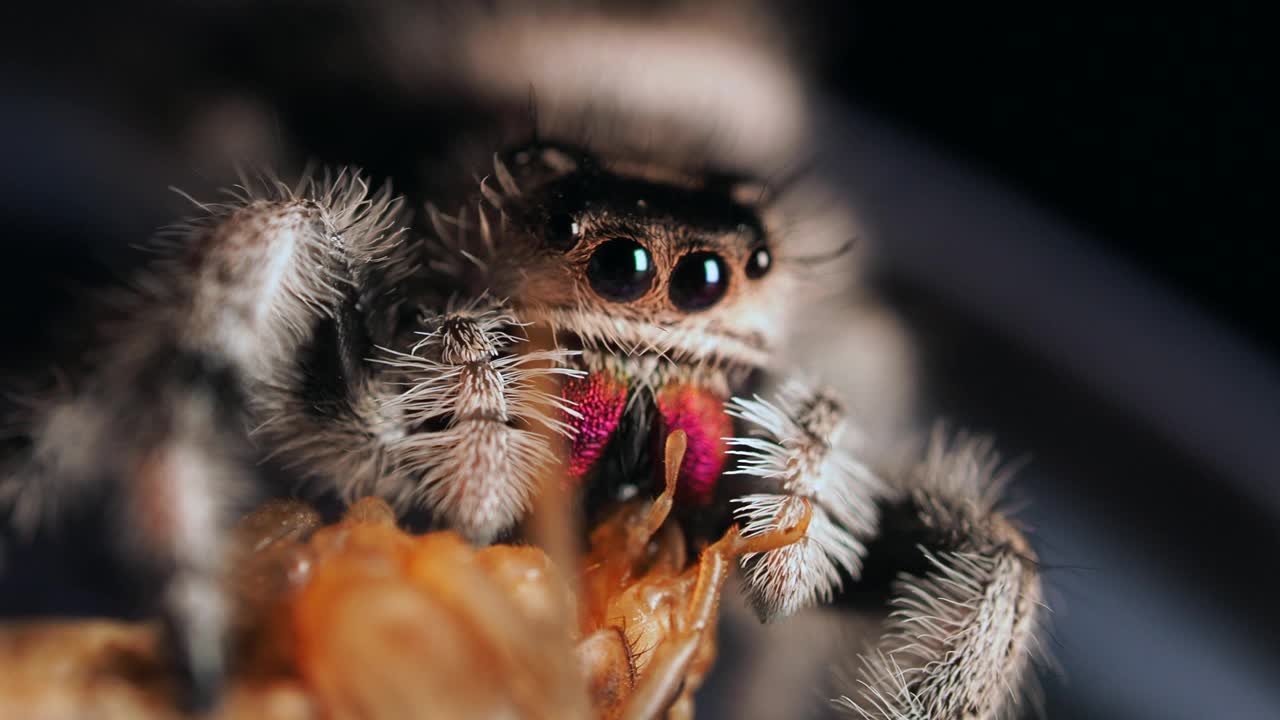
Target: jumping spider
pixel 310 326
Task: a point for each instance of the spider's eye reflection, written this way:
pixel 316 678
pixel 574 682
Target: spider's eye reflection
pixel 621 270
pixel 759 263
pixel 563 231
pixel 699 280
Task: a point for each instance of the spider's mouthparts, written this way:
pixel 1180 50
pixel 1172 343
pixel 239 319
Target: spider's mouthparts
pixel 599 401
pixel 700 414
pixel 604 401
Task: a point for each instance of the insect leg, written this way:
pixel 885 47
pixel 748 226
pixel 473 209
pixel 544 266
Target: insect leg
pixel 680 662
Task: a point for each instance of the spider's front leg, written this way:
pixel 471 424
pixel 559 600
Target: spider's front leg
pixel 960 629
pixel 795 449
pixel 157 421
pixel 951 583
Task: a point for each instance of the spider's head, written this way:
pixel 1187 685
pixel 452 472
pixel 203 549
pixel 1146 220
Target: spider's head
pixel 666 280
pixel 631 259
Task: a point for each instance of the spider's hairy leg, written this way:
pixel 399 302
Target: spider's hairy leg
pixel 155 438
pixel 965 607
pixel 158 422
pixel 471 396
pixel 794 448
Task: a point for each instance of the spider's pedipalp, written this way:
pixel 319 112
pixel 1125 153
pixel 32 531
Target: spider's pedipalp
pixel 473 457
pixel 797 450
pixel 783 581
pixel 962 631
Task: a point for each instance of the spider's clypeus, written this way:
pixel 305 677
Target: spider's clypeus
pixel 310 325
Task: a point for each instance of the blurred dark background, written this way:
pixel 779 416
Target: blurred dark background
pixel 1143 128
pixel 1068 203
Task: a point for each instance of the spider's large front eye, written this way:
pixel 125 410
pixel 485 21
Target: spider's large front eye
pixel 621 270
pixel 699 281
pixel 563 231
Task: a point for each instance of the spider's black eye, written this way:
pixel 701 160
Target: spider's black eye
pixel 621 270
pixel 759 263
pixel 699 280
pixel 563 231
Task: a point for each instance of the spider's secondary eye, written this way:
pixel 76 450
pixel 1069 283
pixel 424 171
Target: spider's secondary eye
pixel 759 263
pixel 699 281
pixel 563 231
pixel 621 270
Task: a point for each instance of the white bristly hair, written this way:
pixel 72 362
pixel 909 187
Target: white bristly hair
pixel 962 635
pixel 290 253
pixel 243 282
pixel 479 470
pixel 797 448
